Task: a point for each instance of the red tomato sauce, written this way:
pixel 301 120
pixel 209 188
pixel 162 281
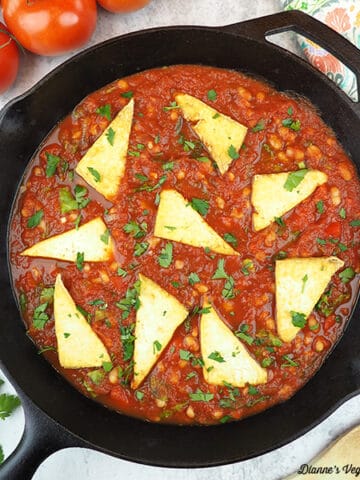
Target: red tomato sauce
pixel 326 223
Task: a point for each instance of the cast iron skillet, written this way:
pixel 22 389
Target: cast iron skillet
pixel 57 416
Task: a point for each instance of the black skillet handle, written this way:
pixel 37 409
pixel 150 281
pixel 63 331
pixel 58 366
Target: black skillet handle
pixel 309 27
pixel 41 437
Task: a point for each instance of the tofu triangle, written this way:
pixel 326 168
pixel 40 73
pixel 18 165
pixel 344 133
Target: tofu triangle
pixel 177 220
pixel 103 165
pixel 221 135
pixel 157 318
pixel 78 345
pixel 299 283
pixel 91 239
pixel 270 197
pixel 230 362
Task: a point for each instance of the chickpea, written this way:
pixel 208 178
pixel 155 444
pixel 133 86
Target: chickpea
pixel 190 412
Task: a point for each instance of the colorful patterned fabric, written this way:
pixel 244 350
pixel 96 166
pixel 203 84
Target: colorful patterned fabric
pixel 344 17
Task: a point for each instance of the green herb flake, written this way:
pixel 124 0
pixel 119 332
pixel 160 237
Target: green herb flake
pixel 212 95
pixel 35 219
pixel 139 395
pixel 289 362
pixel 193 278
pixel 130 301
pixel 140 248
pixel 156 139
pixel 168 166
pixel 200 396
pixel 347 274
pixel 127 341
pixel 228 291
pixel 8 403
pixel 40 317
pixel 96 175
pixel 172 106
pixel 304 280
pixel 96 376
pixel 220 271
pixel 67 201
pixel 203 159
pixel 266 362
pixel 280 222
pixel 253 390
pixel 52 161
pixel 294 179
pixel 225 419
pixel 135 229
pixel 298 319
pixel 128 94
pixel 156 346
pixel 80 260
pixel 321 241
pixel 217 357
pixel 110 136
pixel 191 375
pixel 22 301
pixel 259 126
pixel 105 111
pixel 230 238
pixel 105 237
pixel 67 335
pixel 199 205
pixel 355 223
pixel 320 206
pixel 166 255
pixel 292 124
pixel 185 355
pixel 121 272
pixel 342 212
pixel 232 152
pixel 216 115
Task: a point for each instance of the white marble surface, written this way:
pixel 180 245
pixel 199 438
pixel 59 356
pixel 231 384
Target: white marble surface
pixel 88 465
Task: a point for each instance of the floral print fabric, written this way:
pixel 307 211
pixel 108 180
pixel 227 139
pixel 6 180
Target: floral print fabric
pixel 344 17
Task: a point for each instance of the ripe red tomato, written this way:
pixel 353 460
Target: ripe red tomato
pixel 123 6
pixel 51 27
pixel 9 59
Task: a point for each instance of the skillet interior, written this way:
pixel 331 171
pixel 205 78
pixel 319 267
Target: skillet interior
pixel 23 126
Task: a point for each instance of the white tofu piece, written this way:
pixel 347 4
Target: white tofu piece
pixel 271 199
pixel 103 165
pixel 157 318
pixel 217 131
pixel 87 239
pixel 77 343
pixel 230 362
pixel 299 283
pixel 177 220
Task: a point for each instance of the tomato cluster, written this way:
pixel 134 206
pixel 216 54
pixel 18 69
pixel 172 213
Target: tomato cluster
pixel 49 27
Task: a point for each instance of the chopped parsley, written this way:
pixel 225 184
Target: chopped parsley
pixel 200 396
pixel 40 317
pixel 320 206
pixel 135 229
pixel 232 152
pixel 217 357
pixel 230 238
pixel 298 319
pixel 110 136
pixel 220 271
pixel 294 179
pixel 52 161
pixel 130 300
pixel 69 203
pixel 140 248
pixel 172 106
pixel 228 291
pixel 292 124
pixel 259 126
pixel 355 223
pixel 185 355
pixel 193 278
pixel 96 175
pixel 80 260
pixel 280 222
pixel 347 275
pixel 8 403
pixel 342 212
pixel 289 362
pixel 105 237
pixel 212 95
pixel 156 346
pixel 96 376
pixel 107 366
pixel 200 205
pixel 243 335
pixel 121 272
pixel 127 341
pixel 304 280
pixel 128 94
pixel 168 166
pixel 166 255
pixel 35 219
pixel 105 111
pixel 139 395
pixel 247 266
